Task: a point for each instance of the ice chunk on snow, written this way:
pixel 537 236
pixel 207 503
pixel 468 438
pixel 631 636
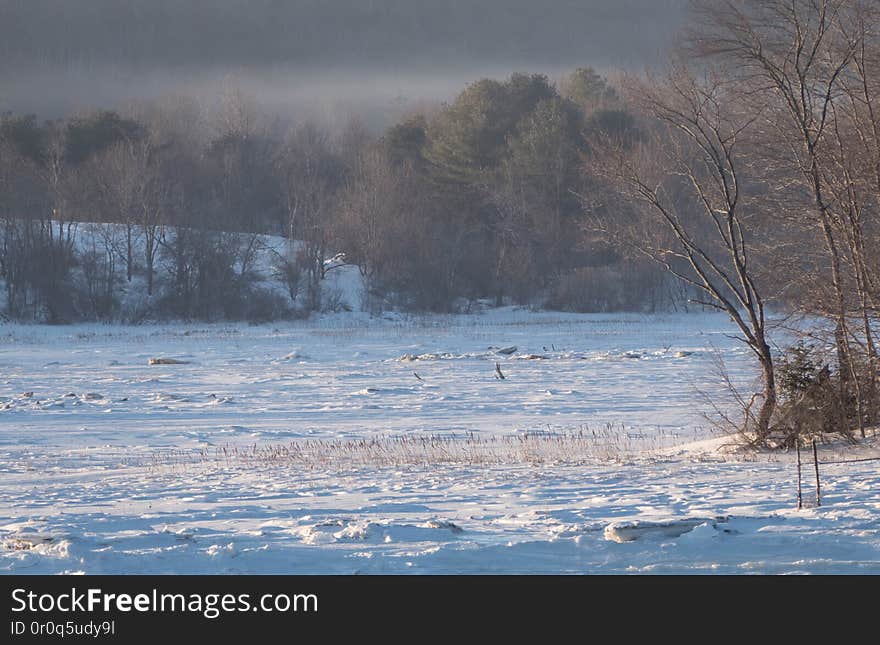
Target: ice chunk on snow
pixel 443 524
pixel 631 531
pixel 217 550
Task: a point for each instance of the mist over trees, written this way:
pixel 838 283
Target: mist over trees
pixel 170 33
pixel 324 59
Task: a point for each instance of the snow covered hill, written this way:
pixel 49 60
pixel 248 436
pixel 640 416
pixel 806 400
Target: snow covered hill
pixel 95 283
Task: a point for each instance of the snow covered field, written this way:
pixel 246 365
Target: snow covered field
pixel 111 465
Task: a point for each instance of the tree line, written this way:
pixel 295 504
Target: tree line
pixel 477 199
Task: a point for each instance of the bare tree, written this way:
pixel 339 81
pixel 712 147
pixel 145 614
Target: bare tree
pixel 367 210
pixel 792 58
pixel 52 232
pixel 853 175
pixel 685 178
pixel 310 176
pixel 389 228
pixel 134 192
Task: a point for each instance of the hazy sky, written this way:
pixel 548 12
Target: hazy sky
pixel 326 57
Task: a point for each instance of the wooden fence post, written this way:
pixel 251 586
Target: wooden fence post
pixel 800 497
pixel 816 467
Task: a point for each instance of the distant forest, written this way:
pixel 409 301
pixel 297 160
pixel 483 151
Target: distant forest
pixel 480 199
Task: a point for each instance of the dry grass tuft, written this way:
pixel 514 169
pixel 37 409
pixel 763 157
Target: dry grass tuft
pixel 608 444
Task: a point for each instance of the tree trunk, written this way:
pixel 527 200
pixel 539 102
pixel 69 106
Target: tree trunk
pixel 768 406
pixel 844 358
pixel 150 253
pixel 128 253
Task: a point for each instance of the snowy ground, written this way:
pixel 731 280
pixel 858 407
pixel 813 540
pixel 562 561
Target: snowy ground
pixel 108 465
